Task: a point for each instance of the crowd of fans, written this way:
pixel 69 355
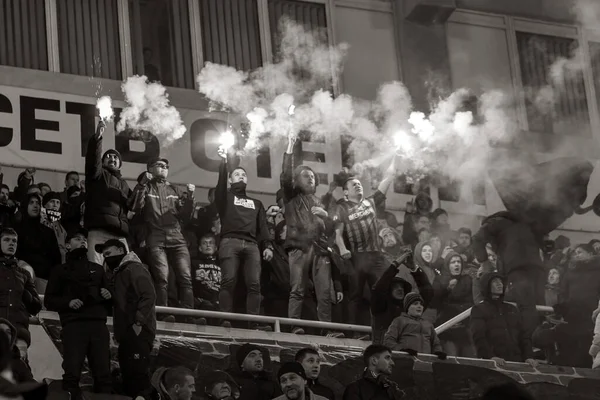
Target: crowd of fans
pixel 99 248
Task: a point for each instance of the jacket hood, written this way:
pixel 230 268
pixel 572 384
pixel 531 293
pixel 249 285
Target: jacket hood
pixel 13 331
pixel 217 377
pixel 405 285
pixel 423 197
pixel 157 383
pixel 446 270
pixel 486 280
pixel 417 255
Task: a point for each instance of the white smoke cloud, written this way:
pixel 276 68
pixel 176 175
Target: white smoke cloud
pixel 148 109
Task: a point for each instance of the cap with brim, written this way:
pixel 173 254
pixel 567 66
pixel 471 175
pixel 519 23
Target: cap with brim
pixel 109 243
pixel 76 232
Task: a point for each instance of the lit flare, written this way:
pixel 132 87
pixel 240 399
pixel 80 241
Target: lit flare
pixel 104 106
pixel 227 140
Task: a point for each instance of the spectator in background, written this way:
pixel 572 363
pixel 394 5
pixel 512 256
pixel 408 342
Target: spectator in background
pixel 387 303
pixel 51 217
pixel 8 208
pixel 150 70
pixel 203 218
pixel 391 244
pixel 71 199
pixel 251 375
pixel 17 287
pixel 206 277
pixel 464 245
pixel 308 229
pixel 294 383
pixel 219 385
pixel 416 218
pixel 375 382
pixel 37 243
pixel 244 233
pixel 595 243
pixel 357 225
pixel 424 235
pixel 439 223
pixel 424 258
pixel 25 185
pixel 134 314
pixel 71 180
pixel 44 188
pixel 310 360
pixel 106 196
pixel 552 293
pixel 497 328
pixel 78 291
pixel 19 366
pixel 176 383
pixel 411 333
pixel 276 276
pixel 164 209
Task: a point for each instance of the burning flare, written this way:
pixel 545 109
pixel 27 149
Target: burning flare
pixel 227 139
pixel 104 106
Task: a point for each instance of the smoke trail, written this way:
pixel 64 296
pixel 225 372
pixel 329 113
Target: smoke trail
pixel 148 110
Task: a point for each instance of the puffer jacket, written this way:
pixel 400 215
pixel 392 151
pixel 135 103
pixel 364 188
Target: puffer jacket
pixel 134 297
pixel 303 228
pixel 515 242
pixel 255 388
pixel 384 307
pixel 79 279
pixel 497 327
pixel 18 297
pixel 37 245
pixel 416 333
pixel 165 212
pixel 371 387
pixel 450 303
pixel 106 193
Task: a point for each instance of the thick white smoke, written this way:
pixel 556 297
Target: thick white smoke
pixel 148 109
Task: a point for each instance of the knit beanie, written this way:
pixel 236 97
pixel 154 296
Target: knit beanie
pixel 410 298
pixel 243 352
pixel 291 367
pixel 50 196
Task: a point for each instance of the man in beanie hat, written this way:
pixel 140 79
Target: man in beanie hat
pixel 293 382
pixel 254 382
pixel 51 217
pixel 78 291
pixel 37 243
pixel 411 333
pixel 308 228
pixel 219 385
pixel 165 212
pixel 106 196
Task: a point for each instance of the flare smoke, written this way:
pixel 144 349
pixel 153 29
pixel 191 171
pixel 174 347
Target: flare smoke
pixel 148 110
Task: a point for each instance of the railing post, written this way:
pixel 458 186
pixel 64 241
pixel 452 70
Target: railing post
pixel 277 325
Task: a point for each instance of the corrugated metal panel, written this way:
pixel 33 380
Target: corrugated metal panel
pixel 230 33
pixel 595 60
pixel 89 38
pixel 537 53
pixel 181 46
pixel 23 34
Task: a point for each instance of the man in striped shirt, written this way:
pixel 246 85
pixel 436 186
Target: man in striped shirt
pixel 357 236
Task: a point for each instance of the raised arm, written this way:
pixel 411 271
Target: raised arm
pixel 93 156
pixel 221 189
pixel 287 171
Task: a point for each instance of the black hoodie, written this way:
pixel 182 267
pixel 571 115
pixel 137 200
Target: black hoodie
pixel 384 307
pixel 497 327
pixel 79 279
pixel 242 217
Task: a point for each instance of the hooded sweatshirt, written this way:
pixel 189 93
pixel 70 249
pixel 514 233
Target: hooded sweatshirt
pixel 497 327
pixel 242 217
pixel 158 384
pixel 450 303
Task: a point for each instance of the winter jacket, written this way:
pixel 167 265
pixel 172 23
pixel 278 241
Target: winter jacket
pixel 370 387
pixel 134 297
pixel 79 279
pixel 206 278
pixel 515 242
pixel 275 274
pixel 309 395
pixel 551 295
pixel 20 369
pixel 384 307
pixel 18 297
pixel 580 290
pixel 71 211
pixel 61 235
pixel 106 193
pixel 497 327
pixel 319 390
pixel 37 246
pixel 408 332
pixel 242 217
pixel 164 210
pixel 303 227
pixel 450 303
pixel 255 388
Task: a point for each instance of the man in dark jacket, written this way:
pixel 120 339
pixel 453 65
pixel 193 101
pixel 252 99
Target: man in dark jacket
pixel 387 300
pixel 8 208
pixel 134 318
pixel 497 327
pixel 18 297
pixel 310 360
pixel 251 376
pixel 164 209
pixel 276 276
pixel 308 229
pixel 37 243
pixel 243 232
pixel 106 198
pixel 375 383
pixel 78 291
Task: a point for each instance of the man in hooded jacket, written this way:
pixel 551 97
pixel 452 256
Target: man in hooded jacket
pixel 387 300
pixel 134 316
pixel 219 385
pixel 107 193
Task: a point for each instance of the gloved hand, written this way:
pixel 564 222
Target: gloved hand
pixel 441 355
pixel 410 352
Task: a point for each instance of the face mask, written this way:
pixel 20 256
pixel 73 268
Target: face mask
pixel 113 261
pixel 238 186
